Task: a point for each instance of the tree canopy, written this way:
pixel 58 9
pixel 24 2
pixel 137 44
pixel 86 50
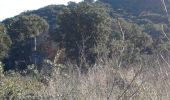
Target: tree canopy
pixel 83 28
pixel 24 27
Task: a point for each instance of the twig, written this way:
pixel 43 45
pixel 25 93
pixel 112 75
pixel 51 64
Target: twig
pixel 165 33
pixel 165 60
pixel 130 83
pixel 165 8
pixel 136 90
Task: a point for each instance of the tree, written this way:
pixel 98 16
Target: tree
pixel 24 27
pixel 129 41
pixel 23 30
pixel 84 30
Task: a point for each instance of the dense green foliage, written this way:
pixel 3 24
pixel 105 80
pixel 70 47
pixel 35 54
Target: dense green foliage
pixel 23 30
pixel 83 29
pixel 23 27
pixel 87 31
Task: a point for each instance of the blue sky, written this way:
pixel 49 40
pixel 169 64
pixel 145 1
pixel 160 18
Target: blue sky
pixel 10 8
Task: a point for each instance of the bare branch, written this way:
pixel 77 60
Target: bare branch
pixel 134 78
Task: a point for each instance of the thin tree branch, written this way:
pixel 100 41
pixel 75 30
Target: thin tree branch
pixel 140 70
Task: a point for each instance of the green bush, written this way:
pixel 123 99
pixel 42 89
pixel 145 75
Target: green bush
pixel 14 86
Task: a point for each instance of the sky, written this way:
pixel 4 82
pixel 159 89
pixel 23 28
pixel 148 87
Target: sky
pixel 10 8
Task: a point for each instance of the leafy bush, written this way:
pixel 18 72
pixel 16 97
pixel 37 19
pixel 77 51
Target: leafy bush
pixel 15 86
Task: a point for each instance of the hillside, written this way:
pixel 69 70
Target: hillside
pixel 137 7
pixel 108 49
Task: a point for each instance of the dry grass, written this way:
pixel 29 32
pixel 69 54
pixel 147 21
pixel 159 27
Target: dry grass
pixel 144 81
pixel 147 80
